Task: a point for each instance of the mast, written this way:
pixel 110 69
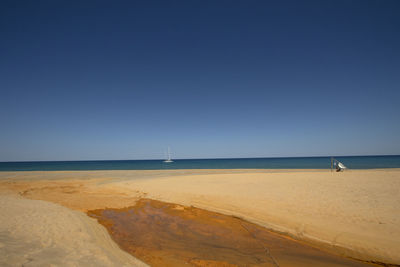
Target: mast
pixel 168 156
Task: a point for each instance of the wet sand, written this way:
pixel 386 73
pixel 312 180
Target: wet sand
pixel 355 213
pixel 166 234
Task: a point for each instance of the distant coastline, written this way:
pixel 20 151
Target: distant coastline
pixel 352 162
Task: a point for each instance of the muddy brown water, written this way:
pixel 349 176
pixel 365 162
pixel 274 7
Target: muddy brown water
pixel 166 234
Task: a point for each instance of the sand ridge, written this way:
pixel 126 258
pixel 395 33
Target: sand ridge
pixel 39 233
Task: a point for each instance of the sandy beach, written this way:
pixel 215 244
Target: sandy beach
pixel 200 133
pixel 355 213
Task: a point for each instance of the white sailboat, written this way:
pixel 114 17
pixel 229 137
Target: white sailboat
pixel 168 160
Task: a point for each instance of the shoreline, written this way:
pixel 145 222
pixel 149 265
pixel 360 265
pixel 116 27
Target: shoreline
pixel 354 213
pixel 204 170
pixel 114 175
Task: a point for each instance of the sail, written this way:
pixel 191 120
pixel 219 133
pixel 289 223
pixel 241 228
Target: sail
pixel 168 156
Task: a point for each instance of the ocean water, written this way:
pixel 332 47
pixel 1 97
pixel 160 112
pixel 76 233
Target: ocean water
pixel 352 162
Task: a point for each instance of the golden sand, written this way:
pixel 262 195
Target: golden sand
pixel 354 213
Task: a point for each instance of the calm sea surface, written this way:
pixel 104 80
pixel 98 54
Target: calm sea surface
pixel 352 162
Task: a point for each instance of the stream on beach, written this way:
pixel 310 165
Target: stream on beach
pixel 166 234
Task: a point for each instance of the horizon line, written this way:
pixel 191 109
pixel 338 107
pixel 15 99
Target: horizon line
pixel 87 160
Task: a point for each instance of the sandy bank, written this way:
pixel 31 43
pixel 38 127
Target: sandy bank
pixel 39 233
pixel 356 213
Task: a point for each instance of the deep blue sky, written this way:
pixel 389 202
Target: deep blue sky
pixel 86 80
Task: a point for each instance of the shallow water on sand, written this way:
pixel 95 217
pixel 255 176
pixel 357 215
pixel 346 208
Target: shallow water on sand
pixel 165 234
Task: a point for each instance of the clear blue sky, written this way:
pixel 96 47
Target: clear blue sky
pixel 84 80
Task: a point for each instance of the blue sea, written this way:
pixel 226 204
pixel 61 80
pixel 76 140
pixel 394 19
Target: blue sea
pixel 352 162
